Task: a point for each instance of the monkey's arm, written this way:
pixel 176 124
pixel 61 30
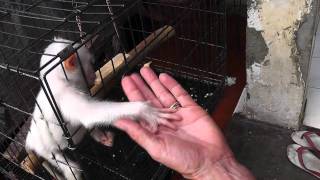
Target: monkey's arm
pixel 80 108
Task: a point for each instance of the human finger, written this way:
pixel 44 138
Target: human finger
pixel 145 90
pixel 162 93
pixel 179 93
pixel 131 90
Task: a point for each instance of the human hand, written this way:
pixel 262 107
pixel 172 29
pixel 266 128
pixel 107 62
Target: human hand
pixel 196 148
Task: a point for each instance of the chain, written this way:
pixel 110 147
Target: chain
pixel 78 20
pixel 82 33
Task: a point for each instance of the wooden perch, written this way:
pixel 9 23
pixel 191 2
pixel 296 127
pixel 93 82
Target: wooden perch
pixel 15 152
pixel 118 62
pixel 31 163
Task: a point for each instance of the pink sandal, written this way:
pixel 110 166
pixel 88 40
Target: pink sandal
pixel 303 158
pixel 307 139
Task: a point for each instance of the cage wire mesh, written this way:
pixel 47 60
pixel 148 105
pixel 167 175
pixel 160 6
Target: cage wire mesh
pixel 237 7
pixel 184 38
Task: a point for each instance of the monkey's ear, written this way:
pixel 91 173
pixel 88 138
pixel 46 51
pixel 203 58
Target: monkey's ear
pixel 70 62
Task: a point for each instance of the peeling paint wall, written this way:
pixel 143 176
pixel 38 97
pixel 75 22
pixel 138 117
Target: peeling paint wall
pixel 275 88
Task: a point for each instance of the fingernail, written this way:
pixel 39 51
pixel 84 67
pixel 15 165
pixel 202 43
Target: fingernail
pixel 123 76
pixel 134 74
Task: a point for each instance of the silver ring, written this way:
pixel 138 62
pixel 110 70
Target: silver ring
pixel 175 105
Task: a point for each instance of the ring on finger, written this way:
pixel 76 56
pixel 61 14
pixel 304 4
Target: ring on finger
pixel 175 105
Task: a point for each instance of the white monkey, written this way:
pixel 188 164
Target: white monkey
pixel 77 108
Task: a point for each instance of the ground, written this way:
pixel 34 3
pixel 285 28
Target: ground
pixel 262 148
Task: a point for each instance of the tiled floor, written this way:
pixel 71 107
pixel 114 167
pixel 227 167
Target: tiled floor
pixel 312 114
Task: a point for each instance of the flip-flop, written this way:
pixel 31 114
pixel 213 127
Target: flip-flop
pixel 303 158
pixel 307 139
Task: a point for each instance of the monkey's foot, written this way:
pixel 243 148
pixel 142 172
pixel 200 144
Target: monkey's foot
pixel 107 138
pixel 103 137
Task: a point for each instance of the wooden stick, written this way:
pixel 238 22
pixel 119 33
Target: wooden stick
pixel 152 41
pixel 31 163
pixel 16 151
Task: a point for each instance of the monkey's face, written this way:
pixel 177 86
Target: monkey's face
pixel 79 68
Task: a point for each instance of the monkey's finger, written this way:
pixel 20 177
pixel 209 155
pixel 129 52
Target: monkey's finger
pixel 162 93
pixel 131 90
pixel 167 123
pixel 152 127
pixel 144 124
pixel 170 116
pixel 145 90
pixel 168 110
pixel 177 90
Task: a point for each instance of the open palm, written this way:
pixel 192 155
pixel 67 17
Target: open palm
pixel 196 138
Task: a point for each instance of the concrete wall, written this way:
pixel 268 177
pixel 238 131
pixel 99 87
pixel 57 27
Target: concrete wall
pixel 278 49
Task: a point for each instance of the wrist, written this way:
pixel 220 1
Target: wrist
pixel 225 169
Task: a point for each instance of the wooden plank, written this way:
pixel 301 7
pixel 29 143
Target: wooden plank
pixel 15 151
pixel 136 54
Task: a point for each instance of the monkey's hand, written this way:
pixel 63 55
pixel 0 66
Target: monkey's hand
pixel 156 116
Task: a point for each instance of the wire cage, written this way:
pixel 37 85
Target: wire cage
pixel 184 38
pixel 238 7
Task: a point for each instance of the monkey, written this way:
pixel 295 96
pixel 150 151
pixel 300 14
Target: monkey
pixel 68 86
